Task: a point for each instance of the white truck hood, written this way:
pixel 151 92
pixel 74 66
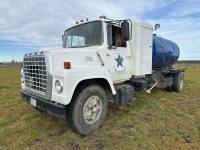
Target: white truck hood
pixel 78 57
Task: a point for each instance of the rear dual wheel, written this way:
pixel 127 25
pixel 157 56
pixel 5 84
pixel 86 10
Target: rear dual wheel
pixel 178 81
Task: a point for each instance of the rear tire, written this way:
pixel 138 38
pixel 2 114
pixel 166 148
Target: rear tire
pixel 169 88
pixel 87 110
pixel 178 82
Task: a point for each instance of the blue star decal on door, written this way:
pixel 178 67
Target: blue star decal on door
pixel 119 61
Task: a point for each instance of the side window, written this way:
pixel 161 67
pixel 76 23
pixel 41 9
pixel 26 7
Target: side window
pixel 114 36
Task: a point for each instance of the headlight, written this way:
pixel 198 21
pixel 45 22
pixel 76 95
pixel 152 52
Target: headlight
pixel 59 86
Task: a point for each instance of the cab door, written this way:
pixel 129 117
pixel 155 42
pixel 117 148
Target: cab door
pixel 118 55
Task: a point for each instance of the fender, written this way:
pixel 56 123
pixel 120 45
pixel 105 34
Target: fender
pixel 72 77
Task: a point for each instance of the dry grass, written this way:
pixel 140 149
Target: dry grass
pixel 159 120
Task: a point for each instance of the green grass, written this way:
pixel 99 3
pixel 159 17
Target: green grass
pixel 159 120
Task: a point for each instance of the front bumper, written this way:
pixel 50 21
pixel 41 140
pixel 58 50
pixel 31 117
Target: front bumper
pixel 44 105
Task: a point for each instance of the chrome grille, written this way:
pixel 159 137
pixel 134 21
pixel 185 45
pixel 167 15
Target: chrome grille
pixel 35 74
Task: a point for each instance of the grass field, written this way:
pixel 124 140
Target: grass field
pixel 159 120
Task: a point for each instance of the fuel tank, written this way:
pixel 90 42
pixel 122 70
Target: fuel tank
pixel 165 52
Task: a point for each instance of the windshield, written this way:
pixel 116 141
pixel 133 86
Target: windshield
pixel 84 35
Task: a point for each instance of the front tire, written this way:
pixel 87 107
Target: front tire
pixel 88 109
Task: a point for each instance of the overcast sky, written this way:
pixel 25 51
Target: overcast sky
pixel 26 26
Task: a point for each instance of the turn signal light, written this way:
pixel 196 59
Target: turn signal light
pixel 67 65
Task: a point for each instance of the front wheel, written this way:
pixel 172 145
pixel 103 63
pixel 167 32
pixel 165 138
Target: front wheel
pixel 178 82
pixel 88 110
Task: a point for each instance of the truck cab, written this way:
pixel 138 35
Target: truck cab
pixel 100 61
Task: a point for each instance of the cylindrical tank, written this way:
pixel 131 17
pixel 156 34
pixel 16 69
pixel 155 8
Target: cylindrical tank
pixel 165 52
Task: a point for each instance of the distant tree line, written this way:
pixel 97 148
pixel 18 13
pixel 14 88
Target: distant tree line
pixel 12 61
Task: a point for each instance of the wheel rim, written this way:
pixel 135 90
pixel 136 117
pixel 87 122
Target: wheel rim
pixel 92 109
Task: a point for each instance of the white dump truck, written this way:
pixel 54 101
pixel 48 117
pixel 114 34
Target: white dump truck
pixel 100 61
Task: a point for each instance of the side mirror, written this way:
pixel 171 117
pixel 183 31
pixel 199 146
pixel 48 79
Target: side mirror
pixel 157 26
pixel 125 33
